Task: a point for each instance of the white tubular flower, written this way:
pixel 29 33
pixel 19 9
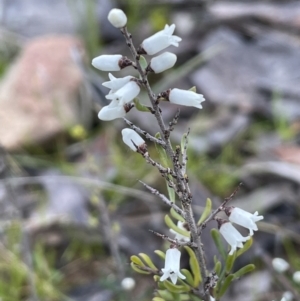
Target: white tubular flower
pixel 296 277
pixel 111 62
pixel 212 298
pixel 117 18
pixel 116 83
pixel 133 139
pixel 185 98
pixel 172 265
pixel 179 236
pixel 280 265
pixel 113 111
pixel 125 94
pixel 232 236
pixel 163 62
pixel 243 218
pixel 159 41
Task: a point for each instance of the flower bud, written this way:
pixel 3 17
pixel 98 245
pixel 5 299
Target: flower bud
pixel 117 18
pixel 159 41
pixel 133 139
pixel 163 62
pixel 280 265
pixel 183 97
pixel 296 277
pixel 113 62
pixel 128 283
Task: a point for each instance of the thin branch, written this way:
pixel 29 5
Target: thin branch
pixel 219 209
pixel 174 241
pixel 164 199
pixel 147 135
pixel 161 169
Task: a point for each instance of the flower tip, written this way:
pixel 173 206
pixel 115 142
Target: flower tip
pixel 117 18
pixel 132 139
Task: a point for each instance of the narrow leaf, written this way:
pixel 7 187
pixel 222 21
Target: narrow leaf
pixel 194 266
pixel 148 261
pixel 169 222
pixel 176 215
pixel 229 262
pixel 194 89
pixel 218 267
pixel 143 62
pixel 206 211
pixel 246 269
pixel 247 246
pixel 166 295
pixel 225 285
pixel 175 288
pixel 218 242
pixel 161 254
pixel 136 269
pixel 189 277
pixel 158 299
pixel 140 107
pixel 165 162
pixel 136 260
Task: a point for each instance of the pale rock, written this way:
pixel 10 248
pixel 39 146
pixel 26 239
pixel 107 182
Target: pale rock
pixel 39 93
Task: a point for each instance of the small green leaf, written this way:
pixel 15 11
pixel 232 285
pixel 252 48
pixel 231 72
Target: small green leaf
pixel 158 299
pixel 175 288
pixel 225 285
pixel 136 269
pixel 169 222
pixel 188 277
pixel 148 261
pixel 143 62
pixel 206 211
pixel 166 295
pixel 218 267
pixel 193 89
pixel 247 246
pixel 165 162
pixel 140 107
pixel 136 260
pixel 176 215
pixel 194 266
pixel 229 262
pixel 156 278
pixel 218 242
pixel 161 254
pixel 171 193
pixel 246 269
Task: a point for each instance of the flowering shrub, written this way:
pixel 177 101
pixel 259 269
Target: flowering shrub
pixel 197 283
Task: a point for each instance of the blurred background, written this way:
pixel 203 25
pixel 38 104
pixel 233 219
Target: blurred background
pixel 71 209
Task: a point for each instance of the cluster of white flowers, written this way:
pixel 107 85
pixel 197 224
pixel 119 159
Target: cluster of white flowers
pixel 122 94
pixel 242 218
pixel 124 90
